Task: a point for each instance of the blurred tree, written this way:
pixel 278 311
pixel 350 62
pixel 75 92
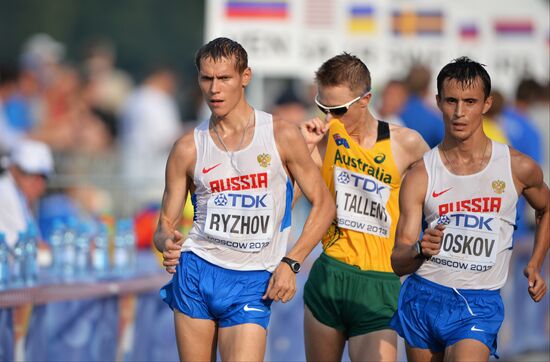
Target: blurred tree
pixel 143 31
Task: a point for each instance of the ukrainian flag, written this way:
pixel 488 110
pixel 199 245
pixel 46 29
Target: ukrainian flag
pixel 361 19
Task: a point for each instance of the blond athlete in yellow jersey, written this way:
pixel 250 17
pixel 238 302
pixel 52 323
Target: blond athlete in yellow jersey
pixel 351 293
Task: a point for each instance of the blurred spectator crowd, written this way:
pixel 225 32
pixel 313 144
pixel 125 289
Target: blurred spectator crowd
pixel 83 148
pixel 110 135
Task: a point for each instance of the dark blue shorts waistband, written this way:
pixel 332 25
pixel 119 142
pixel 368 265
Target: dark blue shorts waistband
pixel 445 289
pixel 226 271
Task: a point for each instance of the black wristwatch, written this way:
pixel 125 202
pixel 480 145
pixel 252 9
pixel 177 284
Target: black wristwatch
pixel 418 248
pixel 294 265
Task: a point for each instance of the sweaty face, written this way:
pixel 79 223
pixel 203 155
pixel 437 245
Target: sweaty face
pixel 463 107
pixel 222 85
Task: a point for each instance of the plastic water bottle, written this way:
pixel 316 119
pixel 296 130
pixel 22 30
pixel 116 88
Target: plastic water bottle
pixel 82 250
pixel 18 267
pixel 56 242
pixel 4 263
pixel 100 256
pixel 69 237
pixel 120 260
pixel 31 256
pixel 131 250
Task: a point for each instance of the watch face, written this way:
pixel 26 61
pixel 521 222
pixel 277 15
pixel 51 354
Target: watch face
pixel 293 264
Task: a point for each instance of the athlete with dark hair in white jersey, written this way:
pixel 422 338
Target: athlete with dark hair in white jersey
pixel 450 307
pixel 239 166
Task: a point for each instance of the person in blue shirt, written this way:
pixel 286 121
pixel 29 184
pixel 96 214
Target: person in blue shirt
pixel 523 135
pixel 416 114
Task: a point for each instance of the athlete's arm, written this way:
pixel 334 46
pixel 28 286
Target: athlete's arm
pixel 314 132
pixel 296 157
pixel 179 171
pixel 529 182
pixel 404 258
pixel 409 147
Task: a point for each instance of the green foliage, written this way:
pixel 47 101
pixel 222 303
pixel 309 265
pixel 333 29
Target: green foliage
pixel 143 31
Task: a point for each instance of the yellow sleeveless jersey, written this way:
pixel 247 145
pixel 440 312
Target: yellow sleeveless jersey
pixel 365 184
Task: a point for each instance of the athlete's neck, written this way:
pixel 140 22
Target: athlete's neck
pixel 364 131
pixel 236 120
pixel 466 156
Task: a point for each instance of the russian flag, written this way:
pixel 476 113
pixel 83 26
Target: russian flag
pixel 256 9
pixel 514 27
pixel 469 31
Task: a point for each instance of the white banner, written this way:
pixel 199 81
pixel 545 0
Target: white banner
pixel 292 38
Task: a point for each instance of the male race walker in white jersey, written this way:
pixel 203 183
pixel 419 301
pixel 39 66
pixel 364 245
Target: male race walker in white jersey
pixel 239 167
pixel 450 307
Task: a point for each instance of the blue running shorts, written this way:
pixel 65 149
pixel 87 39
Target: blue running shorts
pixel 202 290
pixel 432 316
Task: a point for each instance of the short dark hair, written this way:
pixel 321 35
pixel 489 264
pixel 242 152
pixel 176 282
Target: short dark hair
pixel 465 71
pixel 344 69
pixel 223 48
pixel 528 90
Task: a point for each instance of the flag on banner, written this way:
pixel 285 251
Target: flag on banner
pixel 361 19
pixel 319 13
pixel 469 31
pixel 417 23
pixel 514 27
pixel 256 9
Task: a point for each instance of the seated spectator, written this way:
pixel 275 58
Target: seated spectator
pixel 21 185
pixel 106 85
pixel 150 123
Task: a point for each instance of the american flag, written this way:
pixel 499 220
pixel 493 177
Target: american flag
pixel 319 13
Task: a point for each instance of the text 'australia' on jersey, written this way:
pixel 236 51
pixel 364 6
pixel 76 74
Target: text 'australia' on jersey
pixel 365 184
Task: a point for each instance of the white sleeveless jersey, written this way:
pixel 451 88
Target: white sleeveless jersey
pixel 477 243
pixel 242 201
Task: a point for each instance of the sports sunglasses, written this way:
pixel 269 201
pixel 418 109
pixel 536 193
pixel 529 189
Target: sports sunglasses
pixel 337 110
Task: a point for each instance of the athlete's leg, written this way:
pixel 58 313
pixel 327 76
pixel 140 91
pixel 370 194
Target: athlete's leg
pixel 423 355
pixel 374 346
pixel 196 338
pixel 243 342
pixel 467 350
pixel 323 343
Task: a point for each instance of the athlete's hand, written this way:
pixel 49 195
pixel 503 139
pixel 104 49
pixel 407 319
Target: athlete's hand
pixel 172 252
pixel 537 286
pixel 313 131
pixel 431 240
pixel 282 284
